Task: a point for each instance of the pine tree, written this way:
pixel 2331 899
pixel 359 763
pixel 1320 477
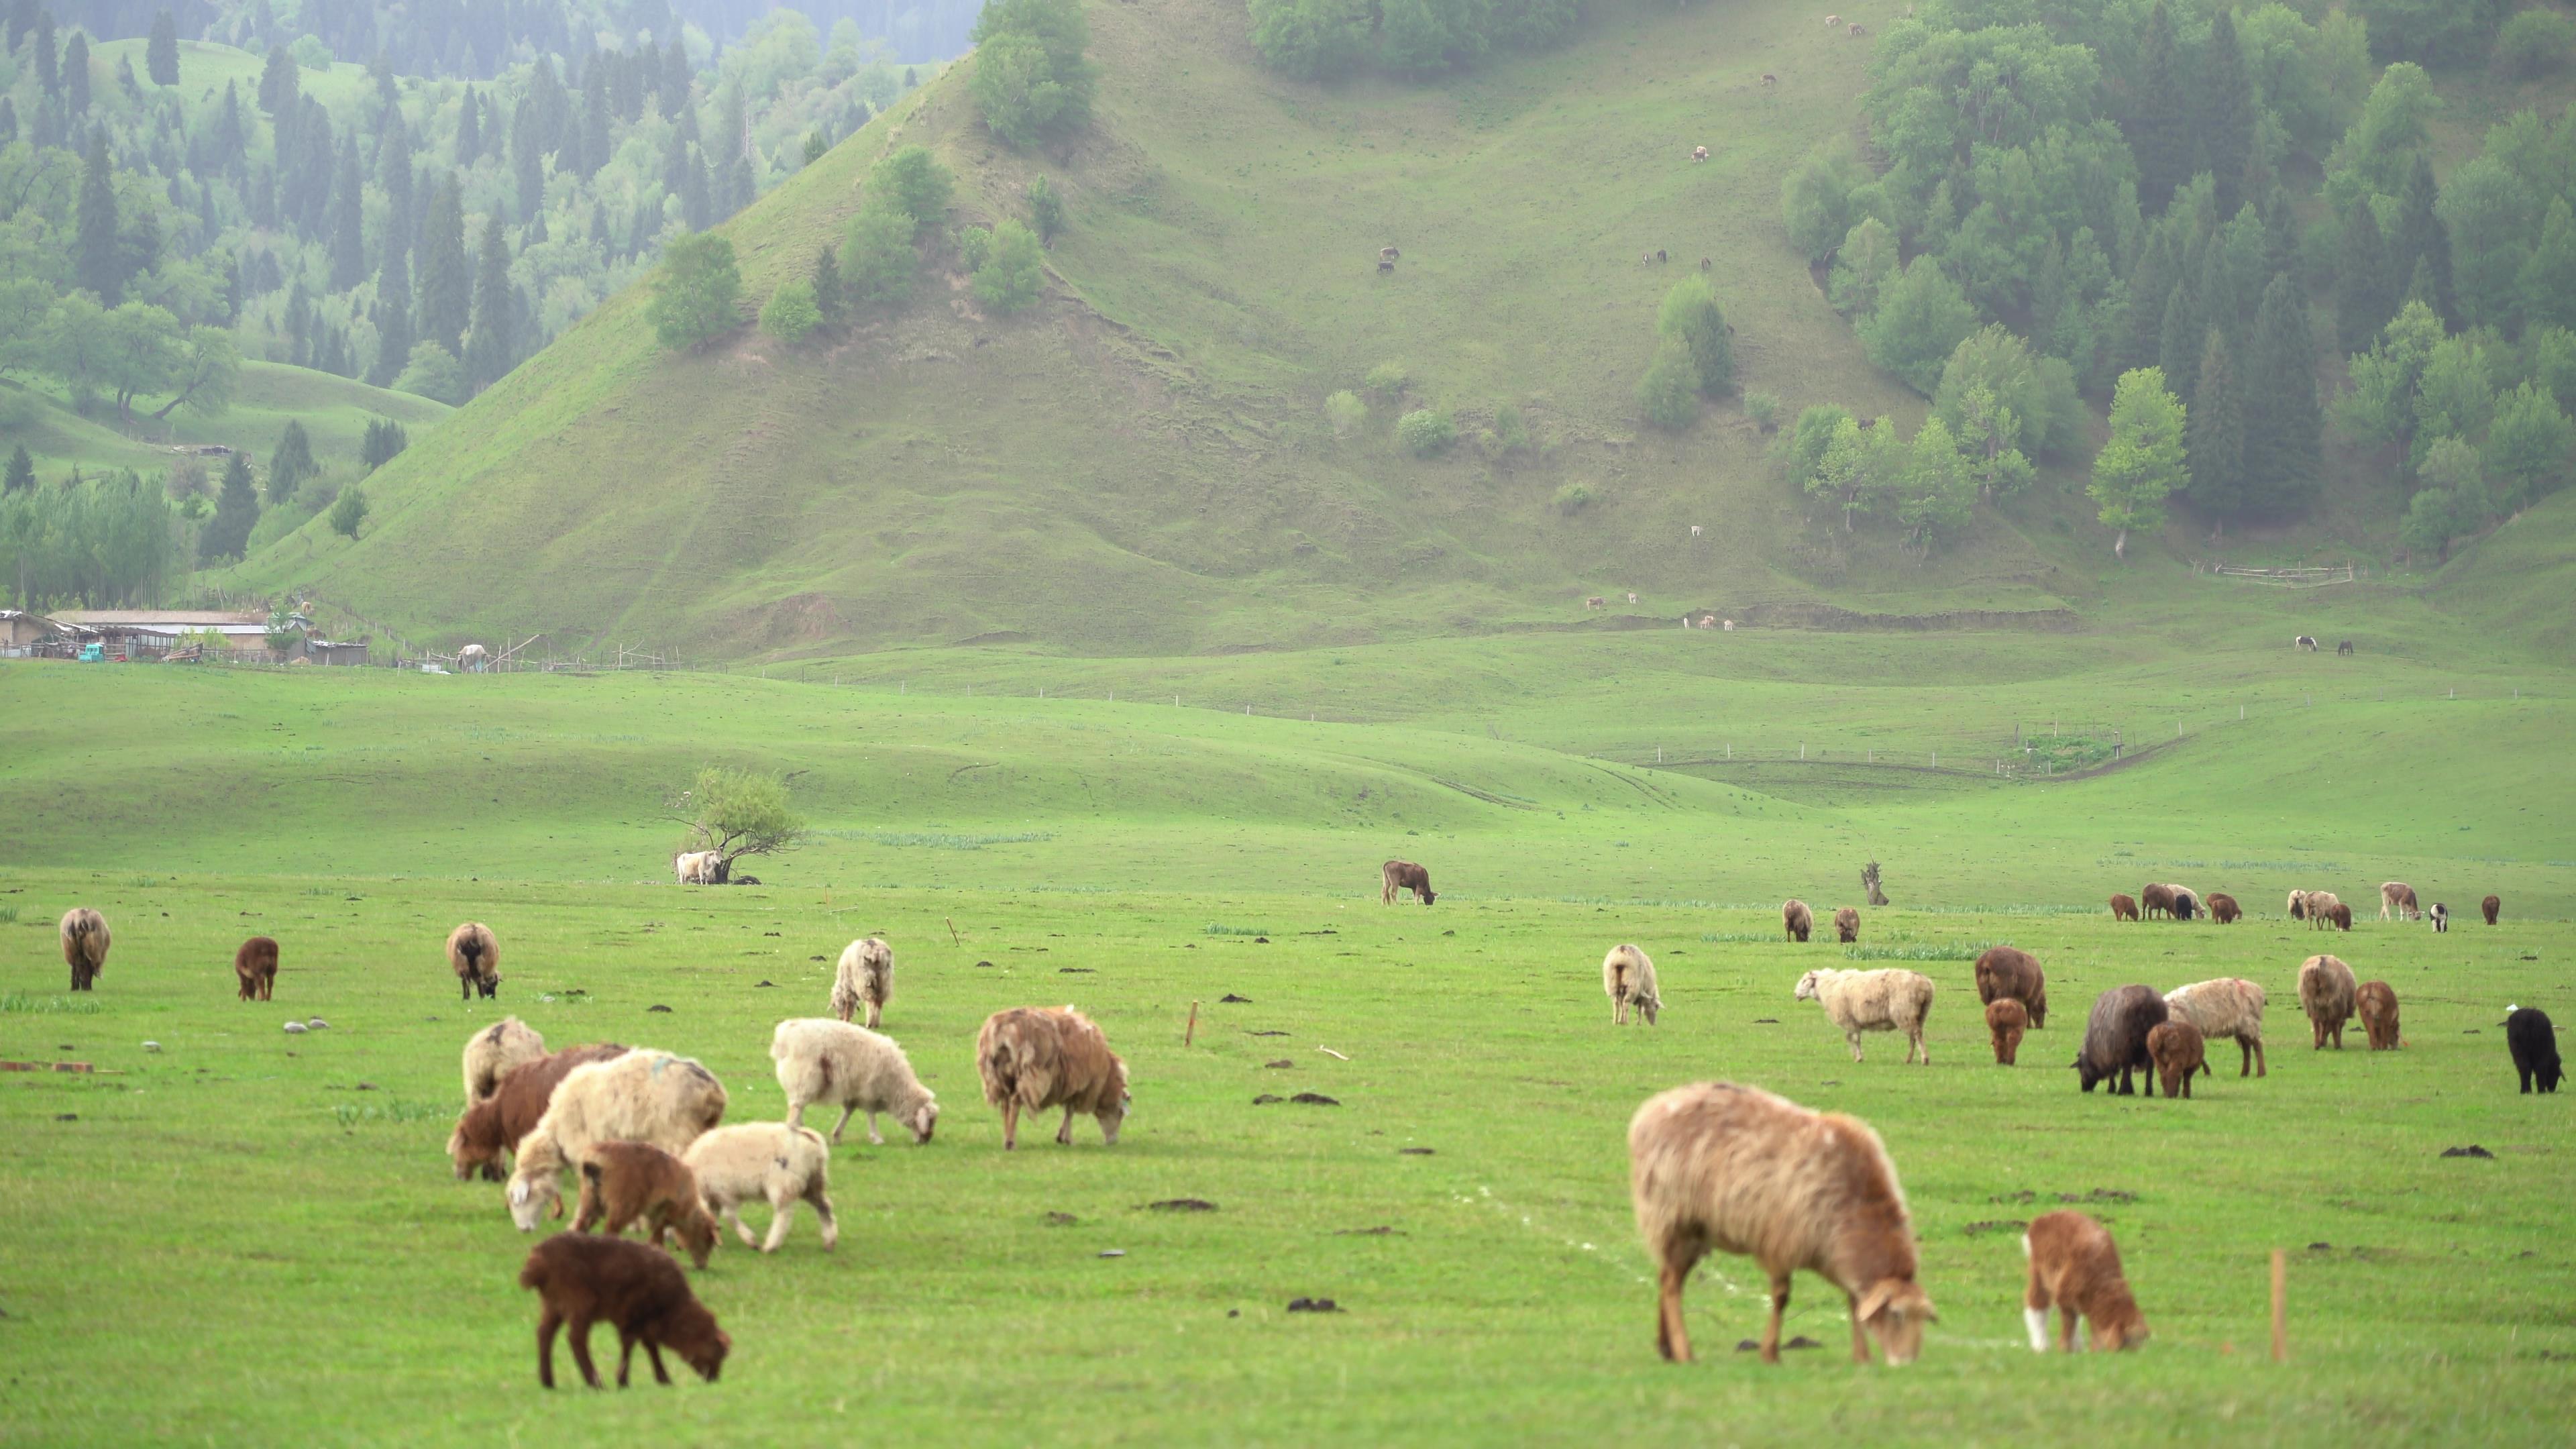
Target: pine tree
pixel 227 534
pixel 469 130
pixel 446 296
pixel 348 231
pixel 2151 284
pixel 49 74
pixel 279 86
pixel 392 317
pixel 828 299
pixel 527 156
pixel 2548 280
pixel 673 92
pixel 290 463
pixel 401 218
pixel 2181 343
pixel 2364 296
pixel 22 472
pixel 98 267
pixel 2224 115
pixel 2422 241
pixel 488 353
pixel 595 141
pixel 2159 133
pixel 161 52
pixel 2283 422
pixel 697 207
pixel 76 75
pixel 2214 435
pixel 8 120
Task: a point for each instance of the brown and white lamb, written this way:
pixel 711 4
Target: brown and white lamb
pixel 865 978
pixel 475 956
pixel 493 1126
pixel 493 1051
pixel 643 1096
pixel 2326 992
pixel 2075 1268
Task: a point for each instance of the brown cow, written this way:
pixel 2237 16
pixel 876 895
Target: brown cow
pixel 2124 908
pixel 255 966
pixel 1403 875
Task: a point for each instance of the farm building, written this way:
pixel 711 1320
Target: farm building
pixel 150 633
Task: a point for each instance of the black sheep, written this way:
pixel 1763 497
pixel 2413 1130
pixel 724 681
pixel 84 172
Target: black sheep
pixel 2115 1039
pixel 2534 1044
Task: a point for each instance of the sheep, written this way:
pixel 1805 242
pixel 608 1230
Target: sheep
pixel 1769 80
pixel 1796 919
pixel 627 1182
pixel 2179 1052
pixel 2399 897
pixel 1833 22
pixel 1628 978
pixel 2534 1044
pixel 2229 1007
pixel 2376 1001
pixel 1861 1001
pixel 643 1096
pixel 2124 907
pixel 2075 1268
pixel 866 978
pixel 1856 29
pixel 1717 1165
pixel 2488 907
pixel 2005 1019
pixel 1596 601
pixel 2156 900
pixel 1403 875
pixel 1035 1057
pixel 2006 971
pixel 85 943
pixel 2115 1039
pixel 476 958
pixel 2344 648
pixel 580 1279
pixel 1699 153
pixel 2441 915
pixel 2223 908
pixel 2319 906
pixel 1846 925
pixel 493 1051
pixel 517 1102
pixel 255 968
pixel 851 1067
pixel 1388 254
pixel 2186 901
pixel 775 1162
pixel 2298 906
pixel 473 658
pixel 2326 994
pixel 2339 916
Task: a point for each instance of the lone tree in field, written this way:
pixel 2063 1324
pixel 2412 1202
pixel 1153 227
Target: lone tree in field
pixel 737 813
pixel 2142 465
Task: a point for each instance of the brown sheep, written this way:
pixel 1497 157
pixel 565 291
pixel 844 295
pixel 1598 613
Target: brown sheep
pixel 2179 1053
pixel 581 1279
pixel 1036 1057
pixel 494 1125
pixel 2227 1009
pixel 2326 993
pixel 2156 900
pixel 2377 1003
pixel 2489 908
pixel 2339 916
pixel 2318 907
pixel 1857 29
pixel 1769 80
pixel 255 967
pixel 1846 925
pixel 1796 919
pixel 476 958
pixel 2005 1019
pixel 1719 1166
pixel 2075 1268
pixel 2124 908
pixel 2223 908
pixel 626 1182
pixel 1403 875
pixel 2007 972
pixel 85 943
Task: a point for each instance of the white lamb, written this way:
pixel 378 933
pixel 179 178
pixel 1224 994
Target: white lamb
pixel 1860 1001
pixel 771 1161
pixel 493 1051
pixel 1628 979
pixel 643 1096
pixel 837 1064
pixel 866 979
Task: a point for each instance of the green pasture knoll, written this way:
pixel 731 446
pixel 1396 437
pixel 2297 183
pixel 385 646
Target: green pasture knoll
pixel 335 412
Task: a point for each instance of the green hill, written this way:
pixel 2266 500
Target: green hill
pixel 334 410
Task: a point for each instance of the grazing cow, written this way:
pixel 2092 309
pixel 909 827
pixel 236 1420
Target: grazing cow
pixel 2223 908
pixel 2123 908
pixel 2441 918
pixel 2305 641
pixel 2534 1044
pixel 1596 602
pixel 1856 28
pixel 1699 153
pixel 2490 907
pixel 1403 875
pixel 255 966
pixel 1384 266
pixel 2344 648
pixel 1768 79
pixel 2399 897
pixel 1388 254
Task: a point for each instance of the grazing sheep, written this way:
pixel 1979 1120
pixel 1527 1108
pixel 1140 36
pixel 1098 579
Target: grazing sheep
pixel 255 968
pixel 853 1068
pixel 2179 1053
pixel 476 958
pixel 628 1182
pixel 1796 919
pixel 2075 1268
pixel 1385 265
pixel 85 942
pixel 2186 901
pixel 1403 875
pixel 1769 80
pixel 1734 1169
pixel 493 1051
pixel 1707 265
pixel 643 1096
pixel 473 658
pixel 772 1162
pixel 2319 906
pixel 2228 1008
pixel 1699 153
pixel 2115 1039
pixel 2156 900
pixel 2005 1019
pixel 2298 905
pixel 2344 648
pixel 1388 254
pixel 2377 1003
pixel 1036 1057
pixel 1833 22
pixel 2399 897
pixel 2009 972
pixel 866 978
pixel 1856 29
pixel 2441 918
pixel 1596 602
pixel 2223 908
pixel 518 1100
pixel 2124 908
pixel 2326 994
pixel 581 1279
pixel 2534 1044
pixel 2339 916
pixel 1846 925
pixel 1864 1001
pixel 2488 907
pixel 1629 979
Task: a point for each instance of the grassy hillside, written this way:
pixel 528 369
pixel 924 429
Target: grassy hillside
pixel 335 411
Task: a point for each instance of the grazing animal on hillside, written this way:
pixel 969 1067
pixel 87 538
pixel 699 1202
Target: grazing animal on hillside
pixel 1796 919
pixel 2009 972
pixel 2229 1008
pixel 1628 978
pixel 495 1049
pixel 1699 153
pixel 2186 901
pixel 630 1182
pixel 2075 1268
pixel 85 943
pixel 2005 1020
pixel 1846 925
pixel 2534 1044
pixel 2490 908
pixel 1035 1057
pixel 1706 265
pixel 1856 28
pixel 2326 993
pixel 1595 602
pixel 2115 1039
pixel 475 956
pixel 853 1068
pixel 582 1279
pixel 2298 906
pixel 2124 907
pixel 1866 1001
pixel 2223 908
pixel 2179 1052
pixel 2306 642
pixel 255 968
pixel 1384 266
pixel 2344 648
pixel 1716 1166
pixel 1768 79
pixel 2156 900
pixel 496 1123
pixel 1388 254
pixel 2339 916
pixel 1833 22
pixel 773 1162
pixel 2377 1003
pixel 1403 875
pixel 2441 918
pixel 643 1096
pixel 2319 907
pixel 865 978
pixel 2398 898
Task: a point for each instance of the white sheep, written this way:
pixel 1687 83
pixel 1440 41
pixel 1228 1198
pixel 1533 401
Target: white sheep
pixel 1860 1001
pixel 1628 978
pixel 643 1096
pixel 2229 1008
pixel 695 867
pixel 494 1050
pixel 773 1162
pixel 866 978
pixel 851 1067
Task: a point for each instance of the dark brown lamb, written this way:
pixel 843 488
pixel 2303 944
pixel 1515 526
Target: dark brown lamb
pixel 637 1287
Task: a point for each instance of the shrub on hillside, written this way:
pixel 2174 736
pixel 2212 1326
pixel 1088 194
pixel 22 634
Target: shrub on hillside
pixel 698 295
pixel 1046 210
pixel 1317 40
pixel 877 260
pixel 1011 277
pixel 1345 412
pixel 349 511
pixel 2432 32
pixel 914 183
pixel 1031 80
pixel 434 373
pixel 1327 40
pixel 2535 43
pixel 384 442
pixel 1691 316
pixel 1426 432
pixel 1668 395
pixel 1763 409
pixel 1511 433
pixel 790 313
pixel 1824 197
pixel 974 245
pixel 2038 389
pixel 1386 381
pixel 1922 318
pixel 1572 498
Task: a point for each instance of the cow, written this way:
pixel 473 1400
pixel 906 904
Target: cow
pixel 1403 875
